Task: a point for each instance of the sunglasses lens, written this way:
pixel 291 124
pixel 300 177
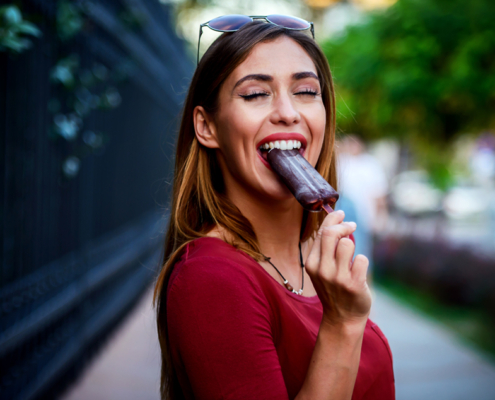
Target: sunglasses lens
pixel 229 23
pixel 287 21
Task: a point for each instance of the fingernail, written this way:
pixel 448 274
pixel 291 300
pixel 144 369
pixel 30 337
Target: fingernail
pixel 352 224
pixel 340 212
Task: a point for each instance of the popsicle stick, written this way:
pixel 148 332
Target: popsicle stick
pixel 327 208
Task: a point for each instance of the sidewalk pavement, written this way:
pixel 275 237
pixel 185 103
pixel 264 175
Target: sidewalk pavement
pixel 128 368
pixel 429 362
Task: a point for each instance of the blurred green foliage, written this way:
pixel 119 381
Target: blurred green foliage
pixel 69 20
pixel 422 70
pixel 13 29
pixel 79 88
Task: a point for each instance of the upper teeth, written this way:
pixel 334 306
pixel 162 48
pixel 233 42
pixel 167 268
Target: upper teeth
pixel 282 145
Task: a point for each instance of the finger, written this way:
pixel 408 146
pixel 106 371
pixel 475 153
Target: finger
pixel 359 268
pixel 314 257
pixel 333 219
pixel 343 257
pixel 330 238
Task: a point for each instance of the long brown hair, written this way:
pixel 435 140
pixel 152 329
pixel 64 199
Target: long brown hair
pixel 198 200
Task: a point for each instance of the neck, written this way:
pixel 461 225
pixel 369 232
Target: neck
pixel 277 227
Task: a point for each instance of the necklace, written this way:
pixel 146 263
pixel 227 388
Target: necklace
pixel 286 282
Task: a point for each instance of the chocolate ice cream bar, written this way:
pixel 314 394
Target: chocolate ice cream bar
pixel 306 184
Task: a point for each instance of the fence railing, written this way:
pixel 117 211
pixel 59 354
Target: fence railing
pixel 87 122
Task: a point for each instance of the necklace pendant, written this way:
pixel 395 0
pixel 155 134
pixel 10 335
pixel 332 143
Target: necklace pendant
pixel 287 285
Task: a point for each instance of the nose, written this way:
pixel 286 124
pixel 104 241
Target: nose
pixel 284 111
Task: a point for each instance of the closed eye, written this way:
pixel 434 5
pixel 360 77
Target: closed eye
pixel 309 92
pixel 253 96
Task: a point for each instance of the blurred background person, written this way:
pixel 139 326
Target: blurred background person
pixel 482 160
pixel 363 186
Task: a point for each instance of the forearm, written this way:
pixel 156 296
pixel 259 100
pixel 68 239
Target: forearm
pixel 334 365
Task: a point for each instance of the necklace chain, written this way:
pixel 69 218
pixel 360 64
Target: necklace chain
pixel 286 282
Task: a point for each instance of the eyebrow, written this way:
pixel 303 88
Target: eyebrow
pixel 254 77
pixel 268 78
pixel 305 74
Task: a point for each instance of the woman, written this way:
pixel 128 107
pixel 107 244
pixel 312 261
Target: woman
pixel 238 240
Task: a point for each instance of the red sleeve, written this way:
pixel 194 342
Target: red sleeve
pixel 220 333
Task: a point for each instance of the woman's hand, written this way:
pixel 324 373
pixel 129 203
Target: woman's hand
pixel 344 293
pixel 339 281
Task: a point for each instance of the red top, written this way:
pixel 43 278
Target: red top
pixel 236 333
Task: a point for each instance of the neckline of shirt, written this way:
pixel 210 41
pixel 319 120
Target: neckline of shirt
pixel 303 299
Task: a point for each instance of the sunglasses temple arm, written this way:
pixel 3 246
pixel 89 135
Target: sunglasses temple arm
pixel 199 39
pixel 312 29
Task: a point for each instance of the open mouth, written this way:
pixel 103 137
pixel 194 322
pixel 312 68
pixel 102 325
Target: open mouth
pixel 282 145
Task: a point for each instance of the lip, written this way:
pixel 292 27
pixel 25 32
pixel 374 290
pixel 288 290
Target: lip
pixel 281 136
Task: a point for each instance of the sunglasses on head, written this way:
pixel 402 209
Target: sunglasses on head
pixel 232 23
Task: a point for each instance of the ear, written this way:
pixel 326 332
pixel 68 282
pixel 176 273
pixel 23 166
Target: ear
pixel 205 128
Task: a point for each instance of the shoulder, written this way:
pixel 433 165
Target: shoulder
pixel 211 264
pixel 214 281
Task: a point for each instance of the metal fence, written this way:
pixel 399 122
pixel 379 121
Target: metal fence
pixel 85 165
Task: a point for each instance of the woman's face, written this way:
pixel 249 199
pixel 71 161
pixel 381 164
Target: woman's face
pixel 274 95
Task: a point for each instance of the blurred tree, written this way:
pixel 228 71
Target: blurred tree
pixel 421 69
